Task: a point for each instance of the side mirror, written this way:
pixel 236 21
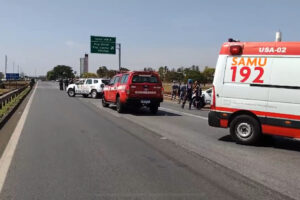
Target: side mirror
pixel 102 85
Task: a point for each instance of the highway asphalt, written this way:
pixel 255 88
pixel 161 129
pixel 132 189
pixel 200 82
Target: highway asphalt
pixel 73 148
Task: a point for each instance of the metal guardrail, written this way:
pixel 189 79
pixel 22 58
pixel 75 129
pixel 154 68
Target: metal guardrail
pixel 8 97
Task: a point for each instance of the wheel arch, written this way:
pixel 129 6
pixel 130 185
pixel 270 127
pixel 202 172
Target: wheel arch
pixel 242 112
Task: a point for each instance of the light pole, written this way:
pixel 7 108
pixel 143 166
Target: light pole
pixel 119 48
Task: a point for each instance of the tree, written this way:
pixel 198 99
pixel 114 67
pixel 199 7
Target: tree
pixel 89 75
pixel 60 71
pixel 1 75
pixel 161 73
pixel 208 74
pixel 102 72
pixel 50 75
pixel 174 76
pixel 124 69
pixel 193 74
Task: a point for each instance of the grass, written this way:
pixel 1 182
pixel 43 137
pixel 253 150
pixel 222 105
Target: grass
pixel 10 105
pixel 3 91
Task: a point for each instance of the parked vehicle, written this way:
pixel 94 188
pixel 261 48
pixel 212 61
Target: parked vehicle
pixel 203 100
pixel 134 90
pixel 86 87
pixel 256 90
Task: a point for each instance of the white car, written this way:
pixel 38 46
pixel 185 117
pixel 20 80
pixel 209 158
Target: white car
pixel 206 98
pixel 86 87
pixel 207 95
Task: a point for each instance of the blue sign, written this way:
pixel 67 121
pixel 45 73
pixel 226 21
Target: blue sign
pixel 12 76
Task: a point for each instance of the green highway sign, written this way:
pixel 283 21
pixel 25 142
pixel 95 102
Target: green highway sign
pixel 103 45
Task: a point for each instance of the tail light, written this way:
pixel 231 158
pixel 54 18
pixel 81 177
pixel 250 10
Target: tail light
pixel 127 89
pixel 213 105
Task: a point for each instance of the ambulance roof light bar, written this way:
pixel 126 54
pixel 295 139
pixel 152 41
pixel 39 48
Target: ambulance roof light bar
pixel 232 40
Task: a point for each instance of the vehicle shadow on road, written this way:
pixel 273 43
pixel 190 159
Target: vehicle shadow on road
pixel 146 112
pixel 159 113
pixel 276 142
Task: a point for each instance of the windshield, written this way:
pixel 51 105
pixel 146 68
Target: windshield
pixel 105 82
pixel 144 79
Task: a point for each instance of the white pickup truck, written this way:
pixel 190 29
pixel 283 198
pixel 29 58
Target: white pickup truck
pixel 86 87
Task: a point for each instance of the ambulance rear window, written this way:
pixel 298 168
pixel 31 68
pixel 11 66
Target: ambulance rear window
pixel 144 79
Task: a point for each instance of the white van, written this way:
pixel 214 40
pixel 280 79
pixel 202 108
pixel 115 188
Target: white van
pixel 256 90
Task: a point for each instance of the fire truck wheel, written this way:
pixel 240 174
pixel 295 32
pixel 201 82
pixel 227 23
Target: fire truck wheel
pixel 104 104
pixel 120 106
pixel 245 129
pixel 154 109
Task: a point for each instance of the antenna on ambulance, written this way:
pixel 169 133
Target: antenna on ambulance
pixel 278 36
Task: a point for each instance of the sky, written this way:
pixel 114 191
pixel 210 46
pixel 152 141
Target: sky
pixel 40 34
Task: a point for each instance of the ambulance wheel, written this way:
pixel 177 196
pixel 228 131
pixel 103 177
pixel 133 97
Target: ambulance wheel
pixel 104 104
pixel 71 93
pixel 94 94
pixel 120 106
pixel 245 129
pixel 154 109
pixel 85 95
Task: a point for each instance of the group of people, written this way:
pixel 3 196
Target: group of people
pixel 65 82
pixel 185 92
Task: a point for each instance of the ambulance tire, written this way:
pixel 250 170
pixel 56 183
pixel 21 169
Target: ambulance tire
pixel 71 93
pixel 85 95
pixel 120 106
pixel 104 104
pixel 245 129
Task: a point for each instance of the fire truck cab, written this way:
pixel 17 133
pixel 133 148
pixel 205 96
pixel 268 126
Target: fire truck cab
pixel 256 90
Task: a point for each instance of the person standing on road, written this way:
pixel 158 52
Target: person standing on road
pixel 174 90
pixel 198 94
pixel 178 90
pixel 61 84
pixel 189 94
pixel 182 92
pixel 66 83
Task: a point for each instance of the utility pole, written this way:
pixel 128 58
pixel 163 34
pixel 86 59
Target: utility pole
pixel 119 48
pixel 13 67
pixel 5 70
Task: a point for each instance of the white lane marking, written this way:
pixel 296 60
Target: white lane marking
pixel 182 113
pixel 9 151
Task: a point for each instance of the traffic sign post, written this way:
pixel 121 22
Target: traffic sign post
pixel 105 45
pixel 12 76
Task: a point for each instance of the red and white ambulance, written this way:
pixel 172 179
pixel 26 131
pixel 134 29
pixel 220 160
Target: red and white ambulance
pixel 256 90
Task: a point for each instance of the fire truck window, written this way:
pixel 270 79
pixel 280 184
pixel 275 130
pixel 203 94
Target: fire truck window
pixel 144 79
pixel 124 78
pixel 111 82
pixel 117 79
